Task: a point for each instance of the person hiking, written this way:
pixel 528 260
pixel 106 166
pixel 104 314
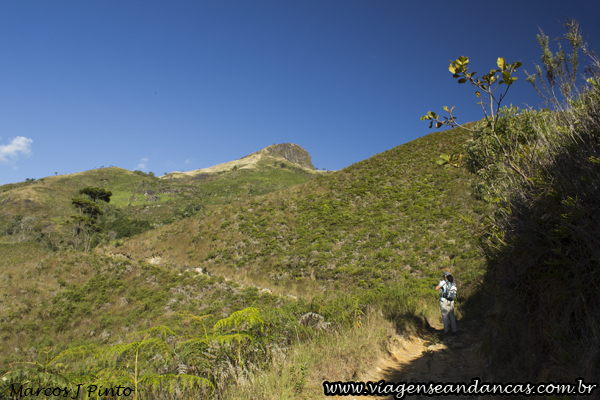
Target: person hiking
pixel 447 297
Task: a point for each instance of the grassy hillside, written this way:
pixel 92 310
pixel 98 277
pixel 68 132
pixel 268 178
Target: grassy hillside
pixel 345 244
pixel 543 241
pixel 263 283
pixel 40 210
pixel 397 215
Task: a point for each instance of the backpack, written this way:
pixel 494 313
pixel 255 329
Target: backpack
pixel 449 292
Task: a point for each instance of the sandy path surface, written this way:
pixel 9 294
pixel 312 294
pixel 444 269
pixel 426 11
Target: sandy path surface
pixel 425 359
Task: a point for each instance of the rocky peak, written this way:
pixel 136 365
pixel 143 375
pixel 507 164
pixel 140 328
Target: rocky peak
pixel 291 152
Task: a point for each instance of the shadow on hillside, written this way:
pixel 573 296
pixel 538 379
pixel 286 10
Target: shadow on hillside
pixel 425 357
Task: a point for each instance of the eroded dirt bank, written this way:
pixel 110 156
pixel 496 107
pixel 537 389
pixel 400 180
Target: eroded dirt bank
pixel 424 358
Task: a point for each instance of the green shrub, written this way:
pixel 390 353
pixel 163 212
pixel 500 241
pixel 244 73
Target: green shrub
pixel 126 227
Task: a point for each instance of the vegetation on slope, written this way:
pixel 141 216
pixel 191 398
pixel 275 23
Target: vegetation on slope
pixel 361 247
pixel 40 210
pixel 543 244
pixel 540 170
pixel 394 216
pixel 377 231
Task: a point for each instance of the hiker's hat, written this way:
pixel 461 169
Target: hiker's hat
pixel 446 274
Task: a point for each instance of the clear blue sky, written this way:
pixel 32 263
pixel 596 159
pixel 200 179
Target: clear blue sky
pixel 179 85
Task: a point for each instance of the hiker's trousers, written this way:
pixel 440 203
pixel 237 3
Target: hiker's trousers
pixel 447 308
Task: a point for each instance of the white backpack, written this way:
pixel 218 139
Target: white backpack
pixel 449 292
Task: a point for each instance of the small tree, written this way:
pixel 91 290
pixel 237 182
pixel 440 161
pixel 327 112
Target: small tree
pixel 86 220
pixel 561 69
pixel 96 193
pixel 490 102
pixel 89 211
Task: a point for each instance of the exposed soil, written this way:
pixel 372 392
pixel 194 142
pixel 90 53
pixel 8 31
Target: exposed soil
pixel 428 359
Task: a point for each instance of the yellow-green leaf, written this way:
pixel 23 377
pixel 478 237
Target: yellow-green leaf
pixel 446 109
pixel 501 63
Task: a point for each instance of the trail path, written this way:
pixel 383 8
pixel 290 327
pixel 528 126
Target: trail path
pixel 420 359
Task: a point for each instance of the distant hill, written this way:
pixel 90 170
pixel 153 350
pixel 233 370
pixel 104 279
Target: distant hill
pixel 275 236
pixel 41 208
pixel 284 153
pixel 396 215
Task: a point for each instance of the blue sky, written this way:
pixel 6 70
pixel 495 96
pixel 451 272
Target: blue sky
pixel 171 86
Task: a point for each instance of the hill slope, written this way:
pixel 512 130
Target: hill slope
pixel 397 214
pixel 277 153
pixel 338 241
pixel 40 210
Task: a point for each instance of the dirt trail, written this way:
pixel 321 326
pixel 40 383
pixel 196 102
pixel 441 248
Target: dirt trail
pixel 421 359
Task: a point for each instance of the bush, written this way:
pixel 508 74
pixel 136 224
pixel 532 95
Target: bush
pixel 542 245
pixel 540 170
pixel 126 227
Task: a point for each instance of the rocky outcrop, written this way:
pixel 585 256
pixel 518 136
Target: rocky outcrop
pixel 291 152
pixel 288 151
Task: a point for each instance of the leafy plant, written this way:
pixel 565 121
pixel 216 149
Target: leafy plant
pixel 454 159
pixel 537 169
pixel 490 102
pixel 142 363
pixel 89 211
pixel 51 369
pixel 560 68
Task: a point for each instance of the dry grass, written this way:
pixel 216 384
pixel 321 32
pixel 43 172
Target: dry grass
pixel 328 356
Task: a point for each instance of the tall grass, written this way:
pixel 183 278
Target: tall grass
pixel 363 324
pixel 544 246
pixel 251 353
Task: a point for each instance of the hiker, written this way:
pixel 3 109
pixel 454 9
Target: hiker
pixel 447 297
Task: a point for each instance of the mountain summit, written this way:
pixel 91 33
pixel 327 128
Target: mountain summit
pixel 277 152
pixel 291 152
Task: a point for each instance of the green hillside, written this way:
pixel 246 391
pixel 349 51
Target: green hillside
pixel 261 279
pixel 397 215
pixel 40 209
pixel 374 234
